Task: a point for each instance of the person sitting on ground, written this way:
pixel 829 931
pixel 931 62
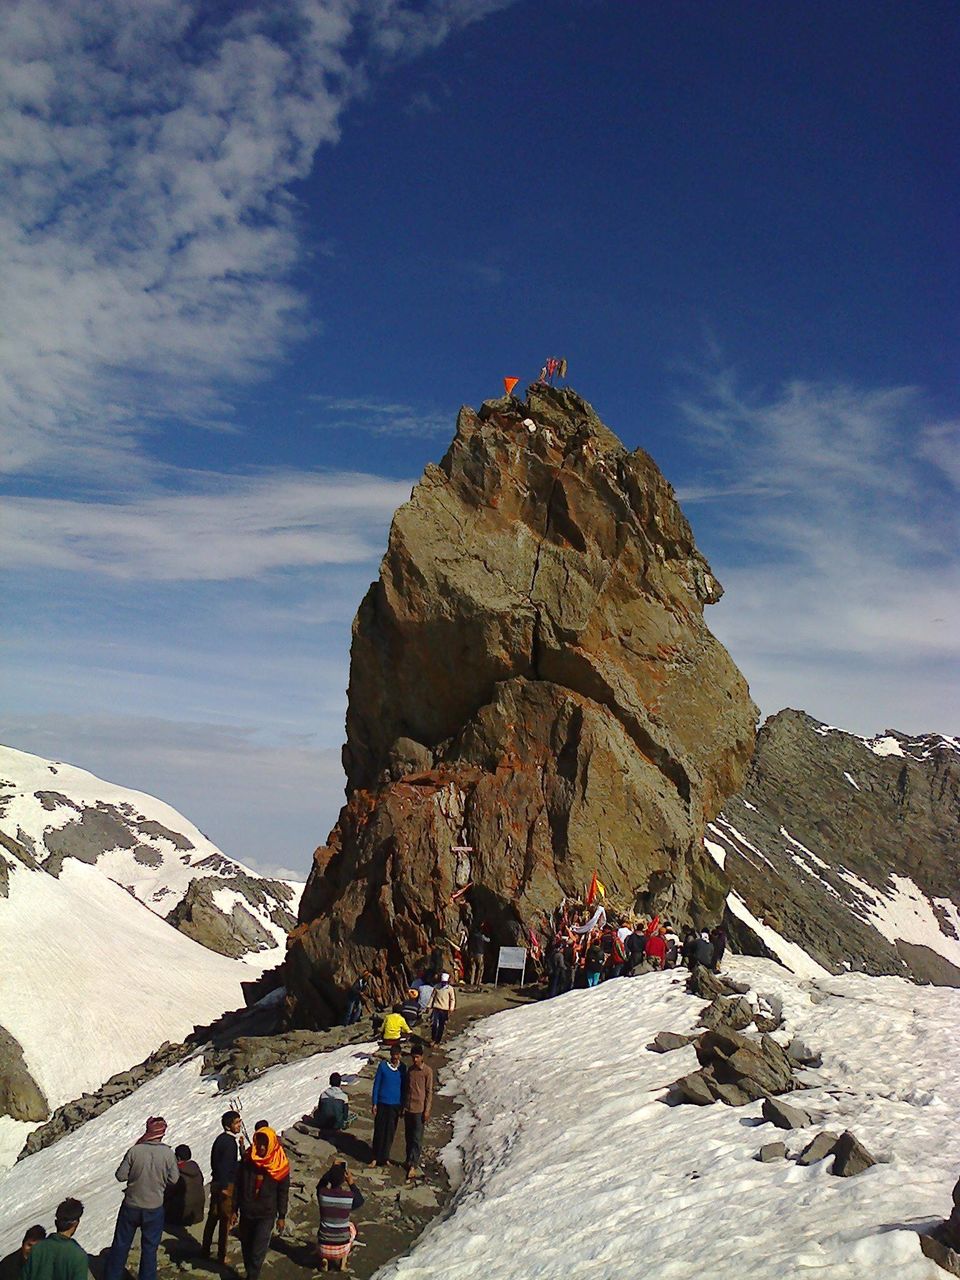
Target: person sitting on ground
pixel 387 1099
pixel 338 1196
pixel 224 1166
pixel 148 1168
pixel 333 1106
pixel 410 1007
pixel 703 950
pixel 394 1026
pixel 12 1265
pixel 59 1257
pixel 263 1193
pixel 656 949
pixel 442 1004
pixel 184 1202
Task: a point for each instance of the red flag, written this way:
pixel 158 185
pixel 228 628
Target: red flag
pixel 509 384
pixel 592 891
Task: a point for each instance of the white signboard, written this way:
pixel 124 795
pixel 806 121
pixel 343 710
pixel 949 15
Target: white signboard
pixel 512 959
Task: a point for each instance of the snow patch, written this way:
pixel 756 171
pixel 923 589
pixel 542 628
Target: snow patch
pixel 716 852
pixel 788 953
pixel 885 747
pixel 853 782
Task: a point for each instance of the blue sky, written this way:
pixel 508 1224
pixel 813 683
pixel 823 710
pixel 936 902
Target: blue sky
pixel 256 255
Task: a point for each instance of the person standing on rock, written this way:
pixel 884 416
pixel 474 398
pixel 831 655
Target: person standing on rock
pixel 148 1169
pixel 60 1257
pixel 224 1167
pixel 11 1267
pixel 387 1099
pixel 417 1104
pixel 477 955
pixel 357 999
pixel 337 1196
pixel 442 1004
pixel 263 1192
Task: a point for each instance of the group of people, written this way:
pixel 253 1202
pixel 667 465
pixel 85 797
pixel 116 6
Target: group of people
pixel 424 999
pixel 587 949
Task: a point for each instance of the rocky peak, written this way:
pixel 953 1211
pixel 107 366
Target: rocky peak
pixel 533 694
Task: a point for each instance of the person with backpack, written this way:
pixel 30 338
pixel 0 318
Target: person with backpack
pixel 60 1256
pixel 148 1169
pixel 263 1193
pixel 224 1167
pixel 184 1202
pixel 387 1099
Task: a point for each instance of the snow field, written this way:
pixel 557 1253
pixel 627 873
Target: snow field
pixel 91 981
pixel 83 1163
pixel 571 1163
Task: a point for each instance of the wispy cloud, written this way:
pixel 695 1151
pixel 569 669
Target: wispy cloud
pixel 222 527
pixel 379 417
pixel 836 542
pixel 146 230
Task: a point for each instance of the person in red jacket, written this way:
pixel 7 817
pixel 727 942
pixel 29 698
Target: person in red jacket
pixel 656 948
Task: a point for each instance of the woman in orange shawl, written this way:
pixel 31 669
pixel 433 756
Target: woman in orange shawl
pixel 263 1191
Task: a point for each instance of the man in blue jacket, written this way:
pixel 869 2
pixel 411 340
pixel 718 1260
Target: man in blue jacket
pixel 387 1097
pixel 224 1167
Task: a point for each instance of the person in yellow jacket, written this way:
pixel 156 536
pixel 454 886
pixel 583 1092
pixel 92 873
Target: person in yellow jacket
pixel 394 1026
pixel 442 1004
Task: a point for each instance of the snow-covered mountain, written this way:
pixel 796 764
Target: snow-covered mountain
pixel 847 848
pixel 121 926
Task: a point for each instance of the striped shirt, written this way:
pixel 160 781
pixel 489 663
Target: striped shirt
pixel 336 1205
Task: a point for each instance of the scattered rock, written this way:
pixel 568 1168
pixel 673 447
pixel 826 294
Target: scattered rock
pixel 666 1041
pixel 695 1088
pixel 731 1012
pixel 767 1023
pixel 737 1069
pixel 783 1115
pixel 850 1156
pixel 799 1051
pixel 709 985
pixel 821 1146
pixel 935 1247
pixel 771 1151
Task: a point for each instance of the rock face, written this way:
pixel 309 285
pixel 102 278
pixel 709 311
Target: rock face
pixel 849 847
pixel 20 1095
pixel 533 695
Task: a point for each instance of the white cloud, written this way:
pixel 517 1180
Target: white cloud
pixel 223 527
pixel 835 541
pixel 146 230
pixel 379 417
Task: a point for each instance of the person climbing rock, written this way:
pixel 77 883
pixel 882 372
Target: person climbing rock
pixel 417 1103
pixel 387 1100
pixel 263 1192
pixel 224 1167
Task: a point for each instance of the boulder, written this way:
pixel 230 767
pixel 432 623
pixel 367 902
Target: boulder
pixel 783 1115
pixel 531 668
pixel 695 1088
pixel 821 1146
pixel 850 1156
pixel 771 1151
pixel 946 1257
pixel 21 1097
pixel 666 1041
pixel 733 1012
pixel 707 985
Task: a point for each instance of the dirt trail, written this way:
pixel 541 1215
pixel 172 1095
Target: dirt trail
pixel 394 1213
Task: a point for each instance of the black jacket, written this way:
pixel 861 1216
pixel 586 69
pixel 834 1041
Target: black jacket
pixel 258 1196
pixel 183 1203
pixel 224 1160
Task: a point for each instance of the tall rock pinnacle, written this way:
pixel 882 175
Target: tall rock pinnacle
pixel 533 695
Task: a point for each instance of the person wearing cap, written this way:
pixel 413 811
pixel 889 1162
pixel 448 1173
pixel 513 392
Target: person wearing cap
pixel 59 1257
pixel 442 1004
pixel 263 1193
pixel 148 1169
pixel 11 1267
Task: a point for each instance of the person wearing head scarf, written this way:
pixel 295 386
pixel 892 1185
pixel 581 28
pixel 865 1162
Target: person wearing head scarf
pixel 263 1191
pixel 148 1169
pixel 442 1004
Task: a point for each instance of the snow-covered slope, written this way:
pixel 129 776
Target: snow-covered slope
pixel 58 813
pixel 847 847
pixel 573 1165
pixel 83 1163
pixel 93 976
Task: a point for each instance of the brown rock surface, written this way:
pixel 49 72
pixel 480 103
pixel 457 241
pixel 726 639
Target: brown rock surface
pixel 531 678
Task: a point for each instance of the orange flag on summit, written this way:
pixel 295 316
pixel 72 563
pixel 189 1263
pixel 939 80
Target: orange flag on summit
pixel 509 384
